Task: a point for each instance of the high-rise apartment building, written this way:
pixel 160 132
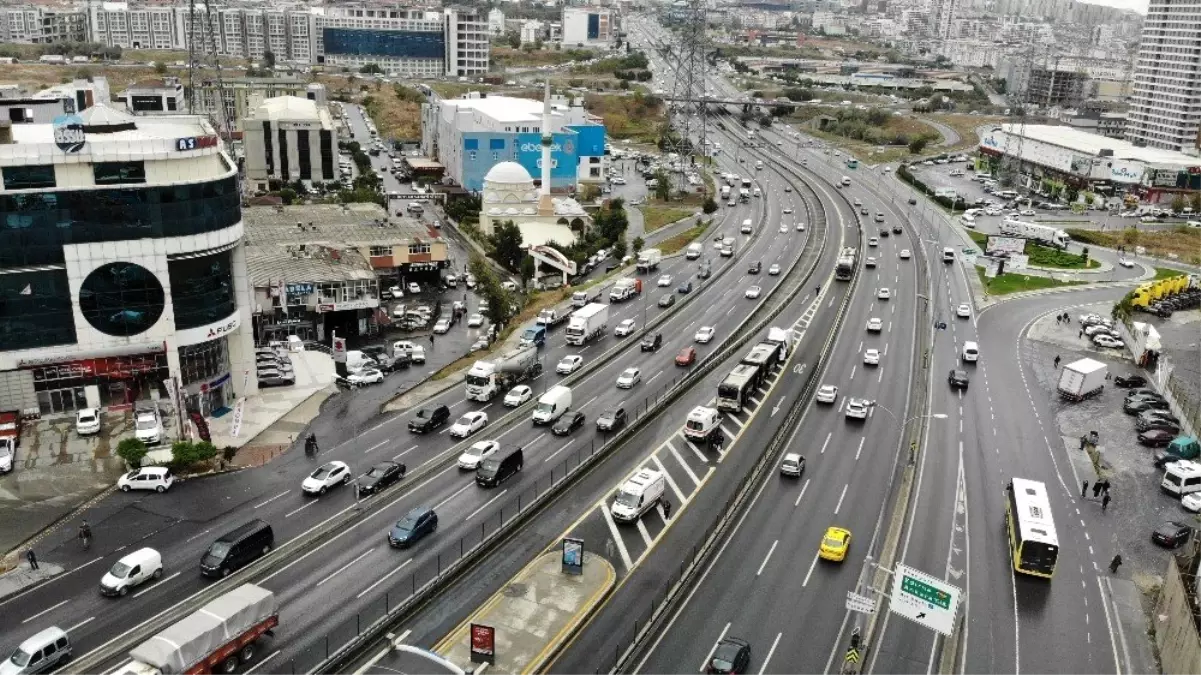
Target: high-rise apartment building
pixel 1165 108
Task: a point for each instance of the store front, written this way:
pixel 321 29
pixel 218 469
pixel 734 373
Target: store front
pixel 205 371
pixel 302 324
pixel 112 382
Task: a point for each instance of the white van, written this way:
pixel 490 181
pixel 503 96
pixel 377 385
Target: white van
pixel 552 405
pixel 1181 478
pixel 638 495
pixel 846 181
pixel 948 254
pixel 701 422
pixel 694 251
pixel 41 653
pixel 757 192
pixel 971 352
pixel 746 226
pixel 132 570
pixel 968 220
pixel 357 360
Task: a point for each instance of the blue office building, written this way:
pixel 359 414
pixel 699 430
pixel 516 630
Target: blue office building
pixel 469 136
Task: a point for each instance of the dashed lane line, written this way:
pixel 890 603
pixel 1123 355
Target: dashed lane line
pixel 617 540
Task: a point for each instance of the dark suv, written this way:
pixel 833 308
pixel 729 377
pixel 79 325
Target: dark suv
pixel 755 268
pixel 958 379
pixel 611 420
pixel 428 420
pixel 652 342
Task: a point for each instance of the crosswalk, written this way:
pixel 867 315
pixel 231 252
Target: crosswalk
pixel 686 467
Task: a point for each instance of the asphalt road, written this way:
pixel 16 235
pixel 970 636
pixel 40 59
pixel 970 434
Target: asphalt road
pixel 351 571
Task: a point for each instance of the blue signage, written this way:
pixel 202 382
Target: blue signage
pixel 300 289
pixel 68 133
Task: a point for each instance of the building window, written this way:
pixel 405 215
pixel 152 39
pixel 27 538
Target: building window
pixel 381 250
pixel 268 148
pixel 29 177
pixel 304 154
pixel 418 249
pixel 471 155
pixel 327 155
pixel 119 173
pixel 204 362
pixel 121 299
pixel 35 310
pixel 202 289
pixel 285 171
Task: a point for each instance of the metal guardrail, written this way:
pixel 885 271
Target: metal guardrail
pixel 297 547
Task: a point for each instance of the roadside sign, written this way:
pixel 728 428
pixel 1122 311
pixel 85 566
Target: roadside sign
pixel 860 603
pixel 924 599
pixel 483 644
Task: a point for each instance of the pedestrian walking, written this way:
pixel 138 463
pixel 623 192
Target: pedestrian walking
pixel 1115 563
pixel 666 510
pixel 431 339
pixel 1057 360
pixel 1105 487
pixel 32 558
pixel 1105 503
pixel 1084 489
pixel 1080 334
pixel 1083 442
pixel 1096 489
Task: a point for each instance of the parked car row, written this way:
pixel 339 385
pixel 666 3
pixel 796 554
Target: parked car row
pixel 274 367
pixel 1101 331
pixel 1186 299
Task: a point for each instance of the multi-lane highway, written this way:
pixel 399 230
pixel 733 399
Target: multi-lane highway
pixel 354 567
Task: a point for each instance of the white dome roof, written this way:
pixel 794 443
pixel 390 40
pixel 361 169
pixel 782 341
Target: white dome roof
pixel 508 173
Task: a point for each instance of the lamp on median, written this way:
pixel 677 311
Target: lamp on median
pixel 901 425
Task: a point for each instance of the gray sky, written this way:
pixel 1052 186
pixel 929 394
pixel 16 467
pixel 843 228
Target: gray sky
pixel 1139 6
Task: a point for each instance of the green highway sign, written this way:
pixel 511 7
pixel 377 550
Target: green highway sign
pixel 925 591
pixel 924 599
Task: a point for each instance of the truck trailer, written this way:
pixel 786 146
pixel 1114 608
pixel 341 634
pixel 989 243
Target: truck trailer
pixel 844 266
pixel 1081 379
pixel 586 323
pixel 215 638
pixel 487 379
pixel 1042 234
pixel 648 260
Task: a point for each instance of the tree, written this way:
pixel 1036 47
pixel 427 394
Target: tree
pixel 506 245
pixel 1178 203
pixel 709 206
pixel 288 195
pixel 638 244
pixel 528 268
pixel 160 67
pixel 619 249
pixel 917 145
pixel 500 301
pixel 589 192
pixel 269 59
pixel 371 69
pixel 1196 203
pixel 662 185
pixel 133 451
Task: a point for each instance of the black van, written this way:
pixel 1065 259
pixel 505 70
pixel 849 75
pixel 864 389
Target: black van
pixel 237 549
pixel 499 467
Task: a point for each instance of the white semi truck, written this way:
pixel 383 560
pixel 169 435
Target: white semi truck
pixel 648 260
pixel 1043 234
pixel 586 323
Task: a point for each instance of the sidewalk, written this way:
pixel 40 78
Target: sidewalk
pixel 533 613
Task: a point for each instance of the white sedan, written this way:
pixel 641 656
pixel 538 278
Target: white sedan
pixel 869 261
pixel 569 364
pixel 330 474
pixel 478 452
pixel 518 395
pixel 783 229
pixel 774 270
pixel 469 423
pixel 875 325
pixel 442 327
pixel 963 311
pixel 1026 212
pixel 873 242
pixel 905 254
pixel 856 408
pixel 788 210
pixel 365 376
pixel 871 357
pixel 1108 341
pixel 1191 502
pixel 883 294
pixel 753 292
pixel 625 328
pixel 828 393
pixel 475 320
pixel 705 334
pixel 628 378
pixel 800 227
pixel 414 287
pixel 665 280
pixel 1126 262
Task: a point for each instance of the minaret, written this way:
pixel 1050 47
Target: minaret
pixel 545 206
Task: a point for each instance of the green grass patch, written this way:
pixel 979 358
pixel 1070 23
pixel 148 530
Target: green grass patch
pixel 1005 284
pixel 1045 256
pixel 980 240
pixel 677 243
pixel 655 217
pixel 1167 273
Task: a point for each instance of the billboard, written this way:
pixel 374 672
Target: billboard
pixel 1005 245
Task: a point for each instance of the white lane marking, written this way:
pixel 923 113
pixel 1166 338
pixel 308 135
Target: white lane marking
pixel 621 545
pixel 735 420
pixel 403 453
pixel 861 440
pixel 767 557
pixel 81 624
pixel 552 455
pixel 646 536
pixel 156 585
pixel 771 651
pixel 268 501
pixel 377 446
pixel 798 497
pixel 343 568
pixel 670 481
pixel 680 459
pixel 827 442
pixel 810 572
pixel 260 664
pixel 696 451
pixel 198 535
pixel 289 514
pixel 853 369
pixel 841 497
pixel 45 611
pixel 456 494
pixel 705 663
pixel 383 578
pixel 486 504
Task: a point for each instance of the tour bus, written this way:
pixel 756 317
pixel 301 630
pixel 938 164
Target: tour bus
pixel 735 390
pixel 1033 545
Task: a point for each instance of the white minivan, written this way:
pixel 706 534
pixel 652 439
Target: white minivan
pixel 638 495
pixel 1181 478
pixel 132 570
pixel 948 254
pixel 971 352
pixel 746 226
pixel 552 405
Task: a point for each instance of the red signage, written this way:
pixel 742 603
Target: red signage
pixel 483 644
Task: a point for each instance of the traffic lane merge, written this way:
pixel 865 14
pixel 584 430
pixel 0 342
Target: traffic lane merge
pixel 534 613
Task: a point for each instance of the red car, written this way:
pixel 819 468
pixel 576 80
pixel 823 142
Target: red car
pixel 686 357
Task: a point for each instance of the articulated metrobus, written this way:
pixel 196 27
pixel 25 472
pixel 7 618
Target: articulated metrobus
pixel 1033 545
pixel 734 391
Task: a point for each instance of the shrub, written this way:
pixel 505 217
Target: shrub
pixel 133 451
pixel 709 206
pixel 185 454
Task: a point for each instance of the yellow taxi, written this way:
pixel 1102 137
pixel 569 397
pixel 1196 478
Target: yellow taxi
pixel 835 544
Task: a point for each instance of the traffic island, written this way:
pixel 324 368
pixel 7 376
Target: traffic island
pixel 532 615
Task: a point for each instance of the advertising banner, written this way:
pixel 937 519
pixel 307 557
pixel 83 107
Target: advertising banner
pixel 483 644
pixel 573 556
pixel 1005 245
